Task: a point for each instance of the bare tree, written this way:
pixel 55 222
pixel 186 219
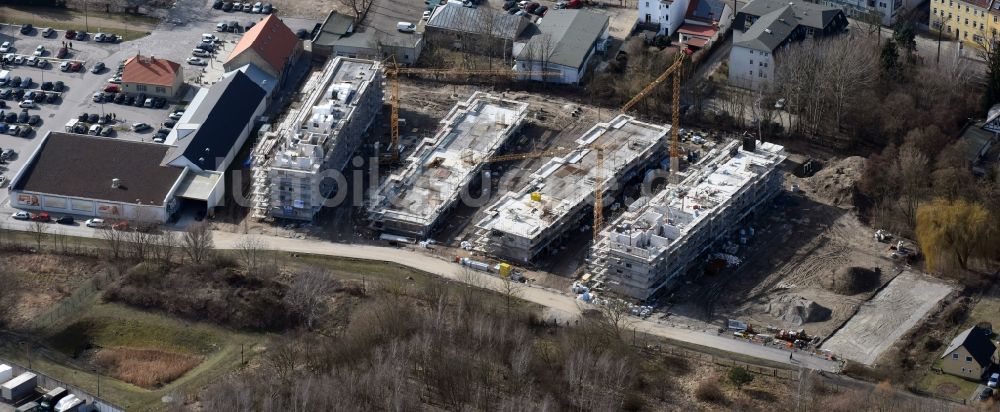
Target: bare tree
pixel 614 319
pixel 308 293
pixel 115 241
pixel 197 243
pixel 164 245
pixel 250 252
pixel 39 230
pixel 359 8
pixel 511 290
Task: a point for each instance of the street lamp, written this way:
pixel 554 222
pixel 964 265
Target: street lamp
pixel 940 30
pixel 98 373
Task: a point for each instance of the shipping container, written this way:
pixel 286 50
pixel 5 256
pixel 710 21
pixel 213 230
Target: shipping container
pixel 55 395
pixel 6 373
pixel 19 388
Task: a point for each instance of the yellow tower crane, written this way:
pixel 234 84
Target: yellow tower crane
pixel 394 70
pixel 675 116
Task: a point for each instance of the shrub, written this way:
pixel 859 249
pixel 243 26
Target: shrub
pixel 709 391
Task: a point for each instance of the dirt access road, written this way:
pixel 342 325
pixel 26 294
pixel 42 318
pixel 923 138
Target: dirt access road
pixel 561 306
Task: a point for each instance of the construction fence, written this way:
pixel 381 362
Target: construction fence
pixel 696 356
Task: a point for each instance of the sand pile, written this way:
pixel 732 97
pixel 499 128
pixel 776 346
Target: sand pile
pixel 797 310
pixel 834 184
pixel 852 280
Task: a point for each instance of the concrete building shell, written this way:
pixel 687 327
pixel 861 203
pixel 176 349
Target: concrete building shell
pixel 291 163
pixel 657 239
pixel 413 200
pixel 557 201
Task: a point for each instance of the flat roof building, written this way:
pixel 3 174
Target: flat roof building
pixel 657 239
pixel 97 176
pixel 414 200
pixel 291 161
pixel 555 203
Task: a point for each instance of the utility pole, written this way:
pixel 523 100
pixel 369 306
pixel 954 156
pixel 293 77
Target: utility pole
pixel 86 18
pixel 940 29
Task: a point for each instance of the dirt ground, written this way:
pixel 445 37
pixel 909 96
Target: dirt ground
pixel 798 243
pixel 885 318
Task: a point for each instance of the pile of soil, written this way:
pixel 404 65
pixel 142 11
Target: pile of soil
pixel 798 310
pixel 852 280
pixel 834 184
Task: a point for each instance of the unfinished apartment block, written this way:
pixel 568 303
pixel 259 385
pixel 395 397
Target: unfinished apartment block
pixel 657 239
pixel 413 201
pixel 557 201
pixel 292 163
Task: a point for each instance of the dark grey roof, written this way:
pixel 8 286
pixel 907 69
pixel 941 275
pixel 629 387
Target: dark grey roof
pixel 83 166
pixel 477 20
pixel 769 31
pixel 221 116
pixel 975 340
pixel 978 141
pixel 335 26
pixel 708 10
pixel 807 14
pixel 569 34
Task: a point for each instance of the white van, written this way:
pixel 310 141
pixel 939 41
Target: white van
pixel 406 27
pixel 4 76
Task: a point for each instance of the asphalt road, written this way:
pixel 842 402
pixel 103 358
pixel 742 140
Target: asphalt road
pixel 561 305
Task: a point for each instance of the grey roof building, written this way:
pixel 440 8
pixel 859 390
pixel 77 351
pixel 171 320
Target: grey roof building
pixel 477 20
pixel 566 41
pixel 766 24
pixel 218 125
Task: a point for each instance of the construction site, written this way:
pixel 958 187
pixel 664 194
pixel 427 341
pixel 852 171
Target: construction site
pixel 700 225
pixel 291 163
pixel 441 169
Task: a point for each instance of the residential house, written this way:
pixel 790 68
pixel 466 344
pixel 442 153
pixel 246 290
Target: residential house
pixel 980 137
pixel 479 30
pixel 704 21
pixel 270 45
pixel 970 354
pixel 665 16
pixel 763 27
pixel 971 21
pixel 567 41
pixel 887 11
pixel 153 77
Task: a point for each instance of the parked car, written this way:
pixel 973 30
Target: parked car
pixel 58 86
pixel 70 34
pixel 47 32
pixel 41 217
pixel 8 154
pixel 34 119
pixel 257 7
pixel 140 100
pixel 112 88
pixel 95 223
pixel 228 6
pixel 3 129
pixel 402 26
pixel 196 61
pixel 986 393
pixel 14 130
pixel 81 35
pixel 120 98
pixel 237 6
pixel 129 100
pixel 46 86
pixel 6 47
pixel 10 118
pixel 218 4
pixel 25 131
pixel 170 124
pixel 31 61
pixel 95 130
pixel 27 104
pixel 19 59
pixel 61 54
pixel 122 226
pixel 303 34
pixel 540 11
pixel 23 116
pixel 267 8
pixel 64 66
pixel 5 94
pixel 99 37
pixel 26 29
pixel 159 137
pixel 26 83
pixel 221 27
pixel 992 383
pixel 52 97
pixel 200 53
pixel 65 220
pixel 159 102
pixel 75 67
pixel 21 215
pixel 39 50
pixel 176 115
pixel 139 127
pixel 108 131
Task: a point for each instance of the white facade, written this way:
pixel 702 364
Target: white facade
pixel 110 210
pixel 889 10
pixel 668 14
pixel 749 68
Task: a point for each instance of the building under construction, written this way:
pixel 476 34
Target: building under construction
pixel 291 163
pixel 657 239
pixel 556 203
pixel 413 200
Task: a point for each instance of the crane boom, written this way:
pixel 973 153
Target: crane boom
pixel 394 71
pixel 673 71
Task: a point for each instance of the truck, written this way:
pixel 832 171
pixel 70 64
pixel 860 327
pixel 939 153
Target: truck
pixel 19 388
pixel 71 125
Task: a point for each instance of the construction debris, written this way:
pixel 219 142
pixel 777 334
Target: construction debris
pixel 797 310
